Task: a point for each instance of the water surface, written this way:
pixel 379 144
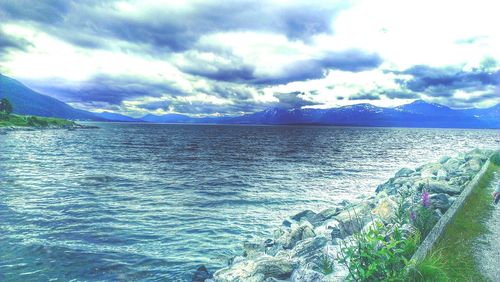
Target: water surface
pixel 151 202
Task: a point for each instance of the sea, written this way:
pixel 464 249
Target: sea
pixel 152 202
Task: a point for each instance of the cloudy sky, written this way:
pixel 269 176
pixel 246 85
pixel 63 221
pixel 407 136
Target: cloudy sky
pixel 231 57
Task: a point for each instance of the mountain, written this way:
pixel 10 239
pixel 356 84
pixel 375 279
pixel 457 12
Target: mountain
pixel 491 116
pixel 415 114
pixel 169 118
pixel 28 102
pixel 117 117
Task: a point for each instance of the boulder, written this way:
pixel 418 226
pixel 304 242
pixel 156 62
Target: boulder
pixel 326 228
pixel 430 171
pixel 330 212
pixel 235 260
pixel 278 268
pixel 442 174
pixel 385 209
pixel 201 274
pixel 302 274
pixel 304 215
pixel 443 187
pixel 298 233
pixel 477 154
pixel 309 248
pixel 252 250
pixel 269 243
pixel 287 223
pixel 440 201
pixel 278 233
pixel 354 218
pixel 452 166
pixel 350 227
pixel 325 215
pixel 345 203
pixel 444 159
pixel 387 186
pixel 474 164
pixel 336 234
pixel 459 181
pixel 404 172
pixel 263 268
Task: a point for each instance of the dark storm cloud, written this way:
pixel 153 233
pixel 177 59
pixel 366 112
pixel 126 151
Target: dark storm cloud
pixel 164 27
pixel 467 102
pixel 8 42
pixel 442 82
pixel 106 89
pixel 440 85
pixel 157 105
pixel 229 92
pixel 401 95
pixel 353 60
pixel 296 71
pixel 202 108
pixel 46 11
pixel 292 100
pixel 236 73
pixel 285 100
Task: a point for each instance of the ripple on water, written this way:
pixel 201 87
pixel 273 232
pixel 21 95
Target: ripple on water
pixel 151 202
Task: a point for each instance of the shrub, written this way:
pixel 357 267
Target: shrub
pixel 400 215
pixel 6 106
pixel 378 255
pixel 325 265
pixel 424 220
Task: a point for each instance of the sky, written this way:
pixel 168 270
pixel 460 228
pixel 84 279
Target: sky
pixel 209 58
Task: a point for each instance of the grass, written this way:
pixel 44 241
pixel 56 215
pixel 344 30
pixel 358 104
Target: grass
pixel 32 121
pixel 433 268
pixel 325 265
pixel 456 244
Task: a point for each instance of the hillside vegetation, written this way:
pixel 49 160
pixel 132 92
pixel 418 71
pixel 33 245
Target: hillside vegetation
pixel 33 121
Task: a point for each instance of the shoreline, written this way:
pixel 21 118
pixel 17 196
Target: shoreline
pixel 4 130
pixel 292 254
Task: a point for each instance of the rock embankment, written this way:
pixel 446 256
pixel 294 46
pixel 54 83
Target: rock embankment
pixel 292 254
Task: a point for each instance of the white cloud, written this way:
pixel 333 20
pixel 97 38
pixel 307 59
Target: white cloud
pixel 404 33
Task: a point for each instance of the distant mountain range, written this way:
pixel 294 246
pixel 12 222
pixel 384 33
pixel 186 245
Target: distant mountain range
pixel 117 117
pixel 416 114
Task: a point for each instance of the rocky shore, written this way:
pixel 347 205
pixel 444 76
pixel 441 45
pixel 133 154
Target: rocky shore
pixel 306 238
pixel 73 126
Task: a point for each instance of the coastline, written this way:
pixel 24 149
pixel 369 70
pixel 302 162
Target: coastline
pixel 13 122
pixel 307 237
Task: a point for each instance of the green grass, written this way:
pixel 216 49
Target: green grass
pixel 32 121
pixel 456 243
pixel 433 268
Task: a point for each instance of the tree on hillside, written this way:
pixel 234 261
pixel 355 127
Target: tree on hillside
pixel 6 106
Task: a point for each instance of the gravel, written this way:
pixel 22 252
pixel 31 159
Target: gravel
pixel 488 251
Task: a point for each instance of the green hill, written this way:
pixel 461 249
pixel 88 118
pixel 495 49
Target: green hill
pixel 28 102
pixel 34 121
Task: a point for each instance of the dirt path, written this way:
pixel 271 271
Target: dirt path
pixel 488 251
